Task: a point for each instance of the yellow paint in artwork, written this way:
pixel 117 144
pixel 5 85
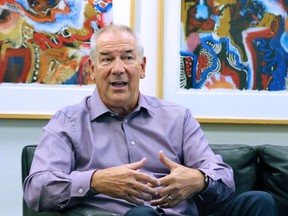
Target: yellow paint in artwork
pixel 220 4
pixel 89 12
pixel 223 29
pixel 223 7
pixel 11 23
pixel 286 24
pixel 267 20
pixel 57 66
pixel 222 85
pixel 34 62
pixel 11 30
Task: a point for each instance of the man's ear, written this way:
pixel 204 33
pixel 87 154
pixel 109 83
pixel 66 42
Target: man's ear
pixel 91 69
pixel 143 65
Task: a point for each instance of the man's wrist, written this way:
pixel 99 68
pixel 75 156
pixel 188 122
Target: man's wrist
pixel 206 180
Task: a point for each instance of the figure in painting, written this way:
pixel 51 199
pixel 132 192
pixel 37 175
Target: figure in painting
pixel 237 45
pixel 48 41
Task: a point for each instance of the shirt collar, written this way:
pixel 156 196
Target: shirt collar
pixel 98 108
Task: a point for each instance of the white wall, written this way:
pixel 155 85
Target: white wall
pixel 146 15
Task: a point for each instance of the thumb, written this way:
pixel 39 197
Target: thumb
pixel 136 165
pixel 166 161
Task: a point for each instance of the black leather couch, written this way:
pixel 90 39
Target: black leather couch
pixel 263 167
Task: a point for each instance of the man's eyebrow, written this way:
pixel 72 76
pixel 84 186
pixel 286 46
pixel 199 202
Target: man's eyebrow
pixel 128 51
pixel 124 51
pixel 104 53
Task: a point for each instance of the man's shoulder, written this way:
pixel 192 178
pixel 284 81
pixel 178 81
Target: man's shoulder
pixel 155 102
pixel 71 111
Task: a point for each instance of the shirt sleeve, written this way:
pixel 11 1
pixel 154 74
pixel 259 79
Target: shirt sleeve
pixel 53 182
pixel 198 155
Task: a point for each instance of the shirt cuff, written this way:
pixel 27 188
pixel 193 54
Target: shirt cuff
pixel 81 183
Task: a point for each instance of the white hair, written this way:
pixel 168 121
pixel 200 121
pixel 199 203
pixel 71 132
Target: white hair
pixel 114 28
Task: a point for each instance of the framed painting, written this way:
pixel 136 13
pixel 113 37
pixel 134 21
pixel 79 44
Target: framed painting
pixel 44 47
pixel 227 60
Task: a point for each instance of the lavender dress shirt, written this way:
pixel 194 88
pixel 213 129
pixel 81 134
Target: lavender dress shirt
pixel 82 138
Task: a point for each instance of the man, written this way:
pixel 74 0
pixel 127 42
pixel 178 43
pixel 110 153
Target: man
pixel 124 151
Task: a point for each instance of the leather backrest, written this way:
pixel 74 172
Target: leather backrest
pixel 26 161
pixel 273 174
pixel 27 157
pixel 242 159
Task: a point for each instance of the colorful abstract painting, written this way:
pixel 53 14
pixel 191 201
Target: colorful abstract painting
pixel 234 44
pixel 47 41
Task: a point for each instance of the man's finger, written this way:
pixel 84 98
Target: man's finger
pixel 149 180
pixel 166 161
pixel 143 177
pixel 136 165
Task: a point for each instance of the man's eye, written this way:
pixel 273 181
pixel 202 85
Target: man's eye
pixel 105 60
pixel 128 59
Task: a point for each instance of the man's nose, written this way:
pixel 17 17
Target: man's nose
pixel 118 66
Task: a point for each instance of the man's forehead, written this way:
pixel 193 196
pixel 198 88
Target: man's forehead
pixel 117 34
pixel 116 37
pixel 116 42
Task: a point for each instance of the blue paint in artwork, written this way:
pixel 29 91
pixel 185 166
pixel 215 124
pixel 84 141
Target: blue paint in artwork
pixel 51 2
pixel 208 43
pixel 284 41
pixel 16 61
pixel 244 2
pixel 75 18
pixel 103 9
pixel 73 80
pixel 16 64
pixel 275 58
pixel 202 11
pixel 278 82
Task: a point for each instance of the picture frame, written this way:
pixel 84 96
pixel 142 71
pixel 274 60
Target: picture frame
pixel 217 106
pixel 40 101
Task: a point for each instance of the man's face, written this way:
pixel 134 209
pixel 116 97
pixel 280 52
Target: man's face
pixel 118 70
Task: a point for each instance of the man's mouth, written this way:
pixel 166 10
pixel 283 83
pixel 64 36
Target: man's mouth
pixel 119 84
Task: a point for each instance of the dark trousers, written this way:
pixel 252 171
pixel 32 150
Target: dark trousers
pixel 252 203
pixel 142 211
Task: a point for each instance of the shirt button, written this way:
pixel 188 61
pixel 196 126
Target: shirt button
pixel 80 190
pixel 133 143
pixel 125 120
